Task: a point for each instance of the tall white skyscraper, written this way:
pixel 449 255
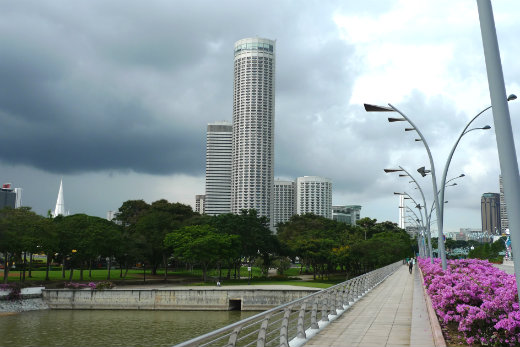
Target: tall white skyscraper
pixel 284 201
pixel 314 195
pixel 218 168
pixel 253 126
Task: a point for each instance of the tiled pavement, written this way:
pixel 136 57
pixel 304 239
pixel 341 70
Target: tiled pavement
pixel 392 314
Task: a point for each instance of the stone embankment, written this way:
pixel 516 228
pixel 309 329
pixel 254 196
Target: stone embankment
pixel 246 298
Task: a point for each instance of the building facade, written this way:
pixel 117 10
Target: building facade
pixel 253 126
pixel 490 211
pixel 348 214
pixel 504 221
pixel 7 196
pixel 200 204
pixel 284 201
pixel 314 195
pixel 219 145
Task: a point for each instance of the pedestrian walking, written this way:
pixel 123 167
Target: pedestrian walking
pixel 410 265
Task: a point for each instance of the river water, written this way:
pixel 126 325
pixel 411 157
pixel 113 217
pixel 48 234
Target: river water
pixel 110 328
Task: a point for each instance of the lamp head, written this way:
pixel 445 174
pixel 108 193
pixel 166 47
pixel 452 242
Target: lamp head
pixel 422 170
pixel 392 170
pixel 376 108
pixel 486 127
pixel 391 120
pixel 511 97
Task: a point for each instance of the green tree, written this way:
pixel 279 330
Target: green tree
pixel 152 225
pixel 200 244
pixel 18 229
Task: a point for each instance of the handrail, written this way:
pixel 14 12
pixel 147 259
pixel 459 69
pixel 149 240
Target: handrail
pixel 295 329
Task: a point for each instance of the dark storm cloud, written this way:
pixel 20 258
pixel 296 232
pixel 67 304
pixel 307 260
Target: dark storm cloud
pixel 116 85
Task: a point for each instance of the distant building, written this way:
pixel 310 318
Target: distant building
pixel 314 195
pixel 348 214
pixel 490 211
pixel 200 204
pixel 111 215
pixel 18 192
pixel 284 201
pixel 412 230
pixel 219 139
pixel 504 221
pixel 7 196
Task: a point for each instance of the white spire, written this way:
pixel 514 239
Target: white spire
pixel 60 203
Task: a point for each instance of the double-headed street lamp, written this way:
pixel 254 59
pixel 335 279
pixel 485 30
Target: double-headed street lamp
pixel 423 228
pixel 437 197
pixel 428 233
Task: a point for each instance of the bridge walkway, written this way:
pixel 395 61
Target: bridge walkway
pixel 393 314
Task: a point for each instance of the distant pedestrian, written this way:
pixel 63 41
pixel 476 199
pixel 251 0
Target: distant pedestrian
pixel 410 266
pixel 218 283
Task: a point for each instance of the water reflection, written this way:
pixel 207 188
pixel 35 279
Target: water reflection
pixel 110 328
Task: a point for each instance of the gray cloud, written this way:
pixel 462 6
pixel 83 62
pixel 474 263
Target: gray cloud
pixel 127 88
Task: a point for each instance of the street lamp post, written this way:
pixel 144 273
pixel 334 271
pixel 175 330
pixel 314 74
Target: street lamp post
pixel 419 225
pixel 440 222
pixel 428 232
pixel 503 130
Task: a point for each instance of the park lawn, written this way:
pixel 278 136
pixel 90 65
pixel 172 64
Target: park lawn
pixel 55 275
pixel 133 274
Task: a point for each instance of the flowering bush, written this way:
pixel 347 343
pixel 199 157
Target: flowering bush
pixel 14 289
pixel 91 285
pixel 481 300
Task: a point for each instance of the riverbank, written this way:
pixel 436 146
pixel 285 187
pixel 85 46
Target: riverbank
pixel 242 298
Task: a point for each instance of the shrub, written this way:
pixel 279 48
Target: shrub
pixel 15 292
pixel 477 297
pixel 91 285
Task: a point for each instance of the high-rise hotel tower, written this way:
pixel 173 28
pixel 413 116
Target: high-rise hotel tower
pixel 218 168
pixel 253 126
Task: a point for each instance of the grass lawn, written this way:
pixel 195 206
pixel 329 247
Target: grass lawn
pixel 194 277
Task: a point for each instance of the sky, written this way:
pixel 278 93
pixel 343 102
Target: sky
pixel 114 97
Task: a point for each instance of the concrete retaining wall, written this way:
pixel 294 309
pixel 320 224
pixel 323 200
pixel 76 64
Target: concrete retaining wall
pixel 171 299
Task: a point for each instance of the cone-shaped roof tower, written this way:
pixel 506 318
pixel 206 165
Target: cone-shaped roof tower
pixel 60 203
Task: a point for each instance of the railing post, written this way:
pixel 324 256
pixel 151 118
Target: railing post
pixel 332 302
pixel 346 292
pixel 234 336
pixel 324 313
pixel 284 330
pixel 314 314
pixel 300 328
pixel 262 331
pixel 339 297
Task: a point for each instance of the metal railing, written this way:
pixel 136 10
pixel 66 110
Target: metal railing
pixel 292 324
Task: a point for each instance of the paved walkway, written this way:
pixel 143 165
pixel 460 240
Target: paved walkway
pixel 392 314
